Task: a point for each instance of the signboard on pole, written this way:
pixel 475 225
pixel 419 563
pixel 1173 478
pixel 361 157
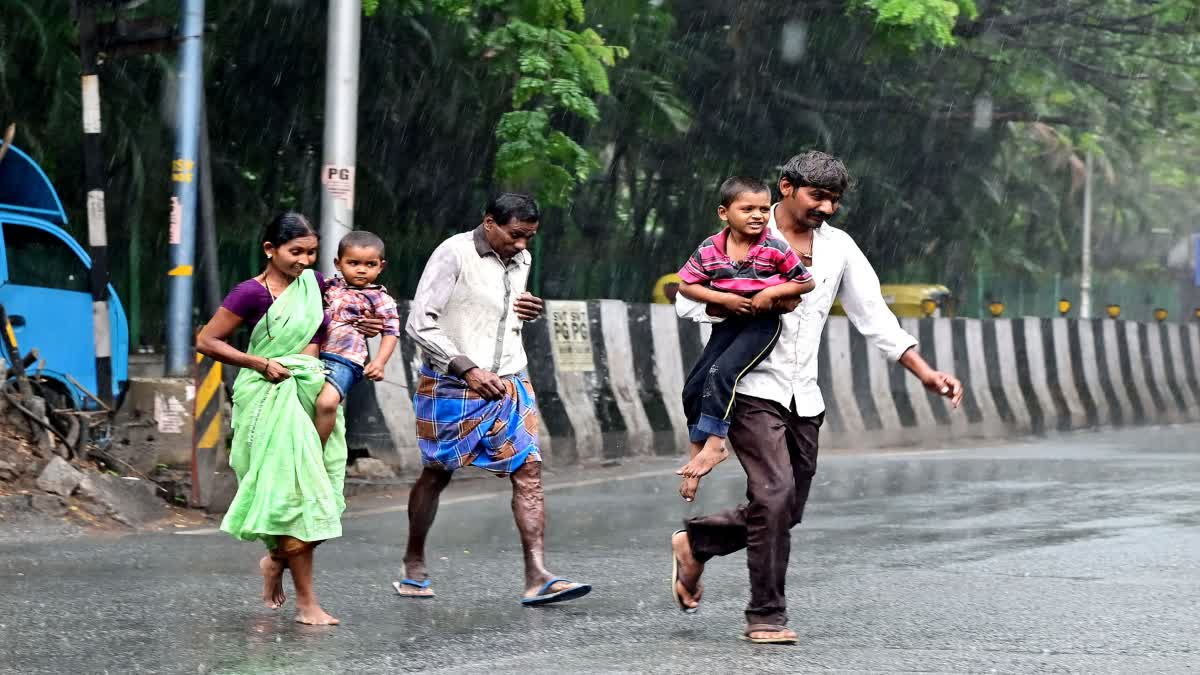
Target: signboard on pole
pixel 570 336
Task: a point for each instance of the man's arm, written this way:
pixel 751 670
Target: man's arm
pixel 864 305
pixel 433 292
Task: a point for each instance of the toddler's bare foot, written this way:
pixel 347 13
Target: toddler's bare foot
pixel 272 571
pixel 688 487
pixel 315 616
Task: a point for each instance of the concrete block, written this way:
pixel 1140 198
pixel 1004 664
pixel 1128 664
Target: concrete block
pixel 154 425
pixel 131 501
pixel 369 467
pixel 59 477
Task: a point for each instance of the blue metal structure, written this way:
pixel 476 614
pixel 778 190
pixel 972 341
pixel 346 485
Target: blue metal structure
pixel 44 282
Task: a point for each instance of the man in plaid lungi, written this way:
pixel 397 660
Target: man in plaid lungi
pixel 474 404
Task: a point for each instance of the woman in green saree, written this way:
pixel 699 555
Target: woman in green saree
pixel 289 487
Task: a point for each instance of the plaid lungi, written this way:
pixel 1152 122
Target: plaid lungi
pixel 456 427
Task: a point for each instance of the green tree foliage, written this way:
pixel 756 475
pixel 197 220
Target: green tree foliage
pixel 966 124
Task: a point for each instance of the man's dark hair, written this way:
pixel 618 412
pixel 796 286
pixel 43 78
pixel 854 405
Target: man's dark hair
pixel 817 169
pixel 506 206
pixel 736 185
pixel 361 239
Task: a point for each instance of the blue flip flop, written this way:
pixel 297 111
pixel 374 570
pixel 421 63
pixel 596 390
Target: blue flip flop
pixel 544 598
pixel 398 585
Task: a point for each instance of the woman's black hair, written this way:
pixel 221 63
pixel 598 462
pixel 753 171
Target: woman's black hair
pixel 286 227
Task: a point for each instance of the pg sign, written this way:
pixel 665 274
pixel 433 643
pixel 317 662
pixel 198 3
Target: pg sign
pixel 339 182
pixel 570 336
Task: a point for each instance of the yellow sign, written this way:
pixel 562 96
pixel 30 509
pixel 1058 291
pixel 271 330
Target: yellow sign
pixel 181 271
pixel 181 170
pixel 1160 314
pixel 1064 306
pixel 1114 311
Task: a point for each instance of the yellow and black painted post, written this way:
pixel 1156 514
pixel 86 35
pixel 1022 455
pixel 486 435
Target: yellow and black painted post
pixel 207 428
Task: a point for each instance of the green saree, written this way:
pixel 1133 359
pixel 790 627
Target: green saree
pixel 287 483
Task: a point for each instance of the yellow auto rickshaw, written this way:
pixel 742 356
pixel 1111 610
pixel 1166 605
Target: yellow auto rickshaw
pixel 912 300
pixel 665 289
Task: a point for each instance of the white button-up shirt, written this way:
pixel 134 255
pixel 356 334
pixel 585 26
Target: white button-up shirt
pixel 839 268
pixel 462 314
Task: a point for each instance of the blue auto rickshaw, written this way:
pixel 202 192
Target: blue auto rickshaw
pixel 45 287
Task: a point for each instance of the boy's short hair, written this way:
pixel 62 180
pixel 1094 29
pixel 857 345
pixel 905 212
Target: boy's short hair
pixel 736 185
pixel 817 169
pixel 506 206
pixel 361 239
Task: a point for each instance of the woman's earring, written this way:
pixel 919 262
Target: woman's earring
pixel 269 256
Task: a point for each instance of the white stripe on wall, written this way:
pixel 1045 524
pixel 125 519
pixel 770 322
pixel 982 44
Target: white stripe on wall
pixel 1036 352
pixel 668 363
pixel 1006 352
pixel 1138 370
pixel 837 341
pixel 614 327
pixel 1066 373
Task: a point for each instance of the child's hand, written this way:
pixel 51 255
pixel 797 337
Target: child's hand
pixel 374 371
pixel 737 304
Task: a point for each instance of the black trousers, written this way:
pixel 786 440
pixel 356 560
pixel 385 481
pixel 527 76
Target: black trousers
pixel 778 451
pixel 735 347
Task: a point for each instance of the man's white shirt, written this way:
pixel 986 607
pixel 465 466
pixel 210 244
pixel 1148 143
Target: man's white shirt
pixel 789 373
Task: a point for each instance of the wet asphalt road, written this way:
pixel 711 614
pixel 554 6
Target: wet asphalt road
pixel 1079 553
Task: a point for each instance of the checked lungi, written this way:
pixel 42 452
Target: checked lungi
pixel 456 427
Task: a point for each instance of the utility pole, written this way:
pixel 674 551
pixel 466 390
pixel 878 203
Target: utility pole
pixel 341 126
pixel 1085 267
pixel 182 239
pixel 93 176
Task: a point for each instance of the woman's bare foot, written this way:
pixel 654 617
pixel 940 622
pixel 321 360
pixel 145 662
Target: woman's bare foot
pixel 314 616
pixel 688 586
pixel 272 571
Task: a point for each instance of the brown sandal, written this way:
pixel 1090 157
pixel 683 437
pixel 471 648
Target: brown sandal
pixel 779 639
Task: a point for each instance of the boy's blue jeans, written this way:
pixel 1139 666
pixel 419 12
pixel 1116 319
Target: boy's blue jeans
pixel 735 347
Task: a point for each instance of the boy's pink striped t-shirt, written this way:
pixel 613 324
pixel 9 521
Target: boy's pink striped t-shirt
pixel 769 262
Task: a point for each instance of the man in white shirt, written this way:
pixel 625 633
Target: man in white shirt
pixel 779 408
pixel 474 403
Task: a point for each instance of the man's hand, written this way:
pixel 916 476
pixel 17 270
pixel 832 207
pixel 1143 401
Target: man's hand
pixel 485 383
pixel 713 309
pixel 787 305
pixel 374 371
pixel 527 306
pixel 944 384
pixel 369 326
pixel 736 304
pixel 763 302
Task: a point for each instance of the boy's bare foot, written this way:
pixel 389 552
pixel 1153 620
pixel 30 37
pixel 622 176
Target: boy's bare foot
pixel 712 455
pixel 315 616
pixel 688 587
pixel 272 571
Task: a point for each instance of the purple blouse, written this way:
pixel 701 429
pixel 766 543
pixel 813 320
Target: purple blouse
pixel 250 300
